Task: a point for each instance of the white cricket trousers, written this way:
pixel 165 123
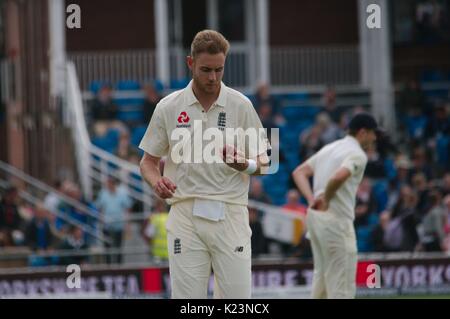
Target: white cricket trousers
pixel 197 245
pixel 333 244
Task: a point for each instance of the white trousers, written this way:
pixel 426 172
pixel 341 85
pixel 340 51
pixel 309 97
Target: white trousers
pixel 333 244
pixel 197 246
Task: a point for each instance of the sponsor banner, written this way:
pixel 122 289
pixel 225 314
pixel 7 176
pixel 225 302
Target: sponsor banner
pixel 108 283
pixel 154 282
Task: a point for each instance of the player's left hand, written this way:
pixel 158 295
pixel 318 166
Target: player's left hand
pixel 234 158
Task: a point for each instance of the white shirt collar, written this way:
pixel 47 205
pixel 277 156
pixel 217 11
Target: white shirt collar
pixel 190 98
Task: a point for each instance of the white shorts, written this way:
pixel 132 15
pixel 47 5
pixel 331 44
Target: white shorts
pixel 333 244
pixel 197 245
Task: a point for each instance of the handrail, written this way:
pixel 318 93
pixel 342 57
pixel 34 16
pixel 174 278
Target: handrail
pixel 86 228
pixel 38 184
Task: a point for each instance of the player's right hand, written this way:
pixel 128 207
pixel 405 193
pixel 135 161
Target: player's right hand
pixel 320 203
pixel 164 188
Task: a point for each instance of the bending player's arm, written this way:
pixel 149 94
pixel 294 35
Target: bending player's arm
pixel 301 177
pixel 335 183
pixel 162 186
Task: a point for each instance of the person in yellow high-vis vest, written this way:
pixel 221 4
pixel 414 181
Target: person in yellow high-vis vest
pixel 155 231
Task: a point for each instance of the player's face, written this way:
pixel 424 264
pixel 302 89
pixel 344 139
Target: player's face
pixel 369 138
pixel 207 72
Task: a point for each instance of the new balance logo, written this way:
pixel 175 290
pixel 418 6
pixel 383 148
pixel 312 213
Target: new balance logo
pixel 177 246
pixel 239 249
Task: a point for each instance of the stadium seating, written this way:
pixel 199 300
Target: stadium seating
pixel 137 134
pixel 108 142
pixel 416 125
pixel 442 150
pixel 125 85
pixel 178 84
pixel 130 109
pixel 381 192
pixel 363 234
pixel 432 76
pixel 95 86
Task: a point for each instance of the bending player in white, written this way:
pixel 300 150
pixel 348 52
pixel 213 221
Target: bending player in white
pixel 337 170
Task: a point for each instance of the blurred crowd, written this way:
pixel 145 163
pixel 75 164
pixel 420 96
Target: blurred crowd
pixel 58 224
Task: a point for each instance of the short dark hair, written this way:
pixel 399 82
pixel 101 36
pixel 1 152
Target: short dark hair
pixel 362 121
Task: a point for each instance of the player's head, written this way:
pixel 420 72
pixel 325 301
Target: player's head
pixel 364 128
pixel 207 60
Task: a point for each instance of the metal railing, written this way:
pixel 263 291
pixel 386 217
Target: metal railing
pixel 9 172
pixel 305 66
pixel 289 66
pixel 113 66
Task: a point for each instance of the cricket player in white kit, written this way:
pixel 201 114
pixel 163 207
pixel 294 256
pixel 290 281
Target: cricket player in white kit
pixel 208 226
pixel 337 170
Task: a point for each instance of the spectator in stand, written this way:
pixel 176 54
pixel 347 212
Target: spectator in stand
pixel 446 202
pixel 375 164
pixel 152 98
pixel 125 150
pixel 263 97
pixel 438 124
pixel 405 215
pixel 365 217
pixel 365 203
pixel 310 142
pixel 266 116
pixel 38 234
pixel 344 119
pixel 74 241
pixel 104 112
pixel 293 202
pixel 329 130
pixel 268 119
pixel 257 192
pixel 446 184
pixel 377 235
pixel 329 103
pixel 52 199
pixel 73 191
pixel 10 219
pixel 433 224
pixel 420 185
pixel 411 98
pixel 258 239
pixel 421 163
pixel 403 165
pixel 114 203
